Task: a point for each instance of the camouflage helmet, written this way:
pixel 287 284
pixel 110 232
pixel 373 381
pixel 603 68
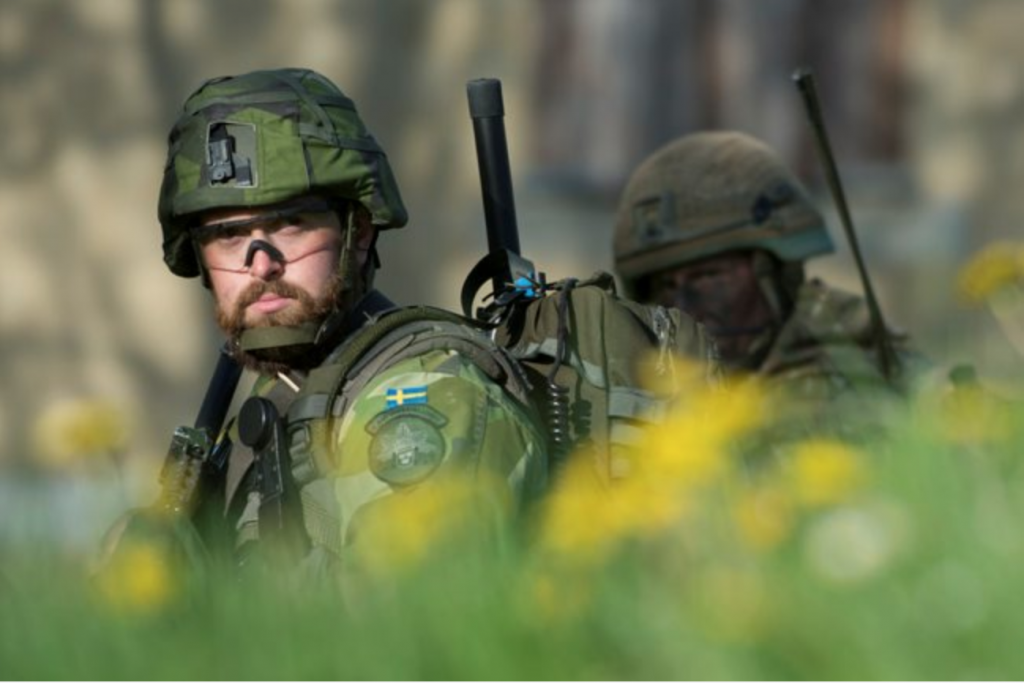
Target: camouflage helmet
pixel 266 137
pixel 708 193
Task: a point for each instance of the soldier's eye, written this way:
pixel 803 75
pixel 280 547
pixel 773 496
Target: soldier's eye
pixel 665 282
pixel 228 241
pixel 222 233
pixel 291 229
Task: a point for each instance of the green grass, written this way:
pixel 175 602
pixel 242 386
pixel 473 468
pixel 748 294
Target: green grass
pixel 915 576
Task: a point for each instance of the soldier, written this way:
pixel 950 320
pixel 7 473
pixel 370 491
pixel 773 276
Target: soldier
pixel 715 224
pixel 274 193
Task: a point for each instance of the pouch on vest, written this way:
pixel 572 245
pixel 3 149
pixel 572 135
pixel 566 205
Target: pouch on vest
pixel 582 346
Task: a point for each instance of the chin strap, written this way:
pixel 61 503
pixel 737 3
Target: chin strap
pixel 354 284
pixel 766 272
pixel 260 338
pixel 778 283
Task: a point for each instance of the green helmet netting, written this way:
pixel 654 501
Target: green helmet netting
pixel 263 138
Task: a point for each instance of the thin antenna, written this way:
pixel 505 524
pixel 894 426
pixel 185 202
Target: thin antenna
pixel 804 80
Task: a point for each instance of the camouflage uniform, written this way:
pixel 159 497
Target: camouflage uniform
pixel 714 193
pixel 825 346
pixel 404 419
pixel 422 423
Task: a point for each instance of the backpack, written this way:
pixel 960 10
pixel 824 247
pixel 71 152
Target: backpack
pixel 582 347
pixel 569 353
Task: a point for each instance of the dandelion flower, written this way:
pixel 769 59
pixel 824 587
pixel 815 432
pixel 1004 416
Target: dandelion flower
pixel 583 519
pixel 763 515
pixel 400 531
pixel 138 578
pixel 826 472
pixel 974 415
pixel 994 268
pixel 72 432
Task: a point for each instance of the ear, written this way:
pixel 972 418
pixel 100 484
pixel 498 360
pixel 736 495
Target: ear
pixel 365 234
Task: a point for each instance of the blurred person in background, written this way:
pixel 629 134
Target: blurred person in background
pixel 715 224
pixel 273 197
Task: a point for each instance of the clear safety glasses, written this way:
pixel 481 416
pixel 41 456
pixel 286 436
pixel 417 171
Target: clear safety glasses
pixel 285 235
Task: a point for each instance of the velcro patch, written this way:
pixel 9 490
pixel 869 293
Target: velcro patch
pixel 407 445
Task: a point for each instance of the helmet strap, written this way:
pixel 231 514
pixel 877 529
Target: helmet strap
pixel 204 274
pixel 320 337
pixel 778 281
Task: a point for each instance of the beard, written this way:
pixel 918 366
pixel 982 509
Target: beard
pixel 304 309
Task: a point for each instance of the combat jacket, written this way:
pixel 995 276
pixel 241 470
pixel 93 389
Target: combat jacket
pixel 404 425
pixel 824 366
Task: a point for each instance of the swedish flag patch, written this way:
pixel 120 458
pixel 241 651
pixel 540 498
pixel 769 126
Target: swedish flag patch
pixel 406 396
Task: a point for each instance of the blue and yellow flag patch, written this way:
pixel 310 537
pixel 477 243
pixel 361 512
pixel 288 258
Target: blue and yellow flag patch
pixel 406 396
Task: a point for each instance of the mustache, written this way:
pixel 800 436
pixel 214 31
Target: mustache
pixel 306 308
pixel 277 287
pixel 232 320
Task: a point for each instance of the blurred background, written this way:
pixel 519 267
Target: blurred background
pixel 104 352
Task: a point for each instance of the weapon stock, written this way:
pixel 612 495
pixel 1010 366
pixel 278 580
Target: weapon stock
pixel 194 451
pixel 804 80
pixel 218 394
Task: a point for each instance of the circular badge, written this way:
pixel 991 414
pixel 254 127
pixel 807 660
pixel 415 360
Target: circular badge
pixel 407 445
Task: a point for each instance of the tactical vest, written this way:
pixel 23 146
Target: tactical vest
pixel 569 357
pixel 313 416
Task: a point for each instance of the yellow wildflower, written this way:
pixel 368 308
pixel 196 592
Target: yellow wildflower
pixel 973 415
pixel 689 446
pixel 763 515
pixel 70 432
pixel 992 269
pixel 826 472
pixel 400 531
pixel 665 374
pixel 138 578
pixel 584 519
pixel 577 517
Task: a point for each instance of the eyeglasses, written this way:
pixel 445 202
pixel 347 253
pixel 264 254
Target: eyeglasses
pixel 288 235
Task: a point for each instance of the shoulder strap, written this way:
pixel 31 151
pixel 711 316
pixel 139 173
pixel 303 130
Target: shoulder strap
pixel 395 336
pixel 338 364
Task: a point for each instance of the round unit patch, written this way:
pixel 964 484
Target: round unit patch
pixel 407 444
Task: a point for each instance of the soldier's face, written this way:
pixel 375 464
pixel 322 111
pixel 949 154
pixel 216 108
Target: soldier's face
pixel 723 293
pixel 291 274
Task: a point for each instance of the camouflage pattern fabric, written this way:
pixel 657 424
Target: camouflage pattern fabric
pixel 427 428
pixel 282 134
pixel 824 347
pixel 709 193
pixel 610 394
pixel 824 367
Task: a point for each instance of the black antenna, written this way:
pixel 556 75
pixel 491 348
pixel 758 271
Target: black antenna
pixel 804 80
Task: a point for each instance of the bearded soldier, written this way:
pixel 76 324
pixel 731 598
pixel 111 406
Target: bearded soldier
pixel 273 196
pixel 715 224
